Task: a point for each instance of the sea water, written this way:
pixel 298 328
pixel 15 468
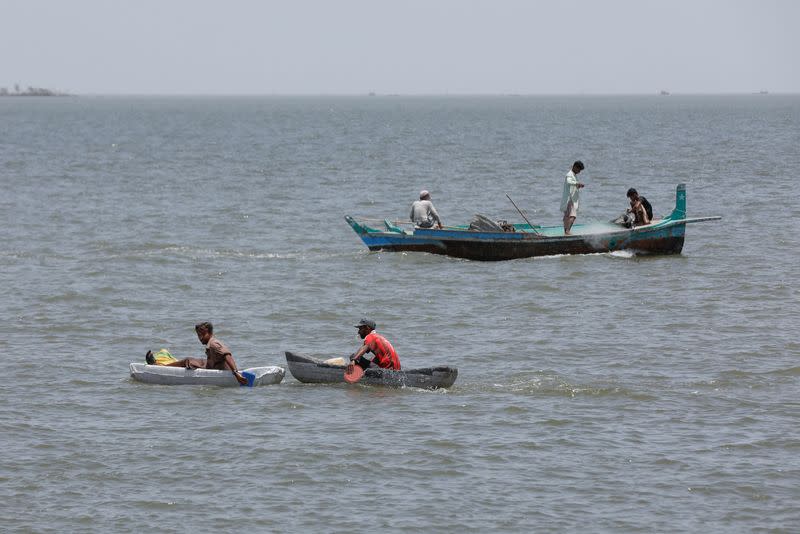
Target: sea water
pixel 606 392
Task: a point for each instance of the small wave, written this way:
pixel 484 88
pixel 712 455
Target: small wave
pixel 154 504
pixel 625 254
pixel 789 371
pixel 738 373
pixel 163 252
pixel 204 253
pixel 445 444
pixel 17 254
pixel 69 296
pixel 553 385
pixel 556 422
pixel 780 444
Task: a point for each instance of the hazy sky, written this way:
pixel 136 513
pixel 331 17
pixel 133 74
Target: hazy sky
pixel 400 46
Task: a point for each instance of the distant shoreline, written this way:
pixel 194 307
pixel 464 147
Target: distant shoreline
pixel 31 91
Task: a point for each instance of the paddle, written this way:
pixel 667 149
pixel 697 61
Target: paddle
pixel 251 379
pixel 353 373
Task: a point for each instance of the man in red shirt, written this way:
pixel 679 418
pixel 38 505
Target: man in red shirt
pixel 384 354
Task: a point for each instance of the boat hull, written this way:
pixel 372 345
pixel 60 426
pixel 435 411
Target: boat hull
pixel 497 247
pixel 313 371
pixel 173 376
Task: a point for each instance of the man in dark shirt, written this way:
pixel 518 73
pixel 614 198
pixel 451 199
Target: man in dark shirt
pixel 218 356
pixel 640 208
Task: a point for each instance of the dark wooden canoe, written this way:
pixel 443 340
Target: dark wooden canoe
pixel 314 371
pixel 663 236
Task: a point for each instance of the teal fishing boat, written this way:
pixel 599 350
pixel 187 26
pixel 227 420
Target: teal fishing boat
pixel 492 241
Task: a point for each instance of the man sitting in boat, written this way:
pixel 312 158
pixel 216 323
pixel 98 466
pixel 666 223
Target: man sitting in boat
pixel 218 356
pixel 640 208
pixel 423 214
pixel 384 354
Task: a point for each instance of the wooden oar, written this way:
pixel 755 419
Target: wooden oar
pixel 523 215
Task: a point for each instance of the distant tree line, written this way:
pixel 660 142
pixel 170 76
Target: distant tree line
pixel 30 91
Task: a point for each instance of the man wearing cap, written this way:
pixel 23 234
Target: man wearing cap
pixel 640 208
pixel 423 214
pixel 379 346
pixel 571 196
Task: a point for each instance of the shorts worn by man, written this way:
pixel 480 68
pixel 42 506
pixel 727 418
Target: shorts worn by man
pixel 384 354
pixel 423 214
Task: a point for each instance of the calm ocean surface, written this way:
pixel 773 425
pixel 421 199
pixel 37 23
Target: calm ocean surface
pixel 600 393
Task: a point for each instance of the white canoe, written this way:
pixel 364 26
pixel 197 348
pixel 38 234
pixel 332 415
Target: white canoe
pixel 159 374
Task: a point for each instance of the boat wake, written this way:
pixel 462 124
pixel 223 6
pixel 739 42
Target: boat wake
pixel 625 254
pixel 195 253
pixel 548 383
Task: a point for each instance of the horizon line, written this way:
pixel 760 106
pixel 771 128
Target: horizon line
pixel 421 94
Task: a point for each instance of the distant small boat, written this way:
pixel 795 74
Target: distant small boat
pixel 173 376
pixel 493 242
pixel 314 371
pixel 763 92
pixel 664 93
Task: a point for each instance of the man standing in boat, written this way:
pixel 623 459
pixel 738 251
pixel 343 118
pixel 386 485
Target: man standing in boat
pixel 384 354
pixel 571 196
pixel 218 356
pixel 423 214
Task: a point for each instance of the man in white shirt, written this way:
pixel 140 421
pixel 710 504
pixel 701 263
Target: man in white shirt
pixel 423 214
pixel 571 196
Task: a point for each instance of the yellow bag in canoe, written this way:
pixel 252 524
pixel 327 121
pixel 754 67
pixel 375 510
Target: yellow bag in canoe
pixel 163 357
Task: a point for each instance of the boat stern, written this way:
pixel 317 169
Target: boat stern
pixel 680 203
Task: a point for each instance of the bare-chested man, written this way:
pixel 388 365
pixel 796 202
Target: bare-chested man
pixel 218 356
pixel 640 208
